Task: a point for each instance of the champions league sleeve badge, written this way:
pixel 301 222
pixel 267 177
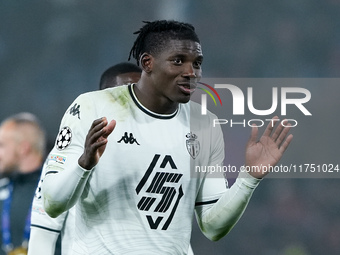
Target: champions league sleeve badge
pixel 64 138
pixel 193 145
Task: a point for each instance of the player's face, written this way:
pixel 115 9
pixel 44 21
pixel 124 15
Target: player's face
pixel 176 70
pixel 127 78
pixel 9 151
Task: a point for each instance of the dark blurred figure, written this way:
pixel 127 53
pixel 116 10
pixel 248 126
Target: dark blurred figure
pixel 22 150
pixel 122 73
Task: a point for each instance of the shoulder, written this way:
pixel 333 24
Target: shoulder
pixel 106 92
pixel 100 98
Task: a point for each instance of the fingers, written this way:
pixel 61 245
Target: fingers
pixel 254 134
pixel 279 135
pixel 99 132
pixel 270 126
pixel 285 144
pixel 281 132
pixel 95 142
pixel 97 129
pixel 109 128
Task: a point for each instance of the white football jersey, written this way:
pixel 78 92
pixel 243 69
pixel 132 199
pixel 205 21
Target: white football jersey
pixel 140 197
pixel 62 225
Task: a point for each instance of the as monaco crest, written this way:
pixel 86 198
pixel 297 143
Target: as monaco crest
pixel 193 146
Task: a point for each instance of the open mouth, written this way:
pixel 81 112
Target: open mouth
pixel 187 88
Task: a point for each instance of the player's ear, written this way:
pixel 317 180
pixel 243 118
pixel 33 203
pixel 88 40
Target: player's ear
pixel 146 61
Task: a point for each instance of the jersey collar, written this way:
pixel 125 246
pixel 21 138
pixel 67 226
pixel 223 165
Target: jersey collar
pixel 147 111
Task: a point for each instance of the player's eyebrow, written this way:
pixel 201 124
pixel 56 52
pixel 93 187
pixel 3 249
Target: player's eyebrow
pixel 200 58
pixel 185 56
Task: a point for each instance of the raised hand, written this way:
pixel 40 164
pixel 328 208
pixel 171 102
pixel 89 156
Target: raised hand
pixel 95 142
pixel 269 149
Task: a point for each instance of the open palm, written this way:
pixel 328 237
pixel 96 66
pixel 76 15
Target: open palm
pixel 268 150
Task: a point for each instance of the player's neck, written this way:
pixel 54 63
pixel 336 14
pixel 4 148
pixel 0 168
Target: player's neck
pixel 152 102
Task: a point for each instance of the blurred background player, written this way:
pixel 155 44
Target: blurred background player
pixel 22 150
pixel 44 229
pixel 120 74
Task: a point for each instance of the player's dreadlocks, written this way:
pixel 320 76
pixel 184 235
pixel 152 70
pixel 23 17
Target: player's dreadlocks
pixel 152 37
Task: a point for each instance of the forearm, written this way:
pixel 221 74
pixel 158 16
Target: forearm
pixel 218 219
pixel 62 190
pixel 42 242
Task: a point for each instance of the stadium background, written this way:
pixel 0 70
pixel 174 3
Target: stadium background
pixel 53 50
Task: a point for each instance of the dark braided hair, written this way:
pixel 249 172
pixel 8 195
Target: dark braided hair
pixel 153 36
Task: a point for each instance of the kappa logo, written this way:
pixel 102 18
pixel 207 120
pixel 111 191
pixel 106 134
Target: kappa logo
pixel 75 110
pixel 129 139
pixel 193 145
pixel 161 198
